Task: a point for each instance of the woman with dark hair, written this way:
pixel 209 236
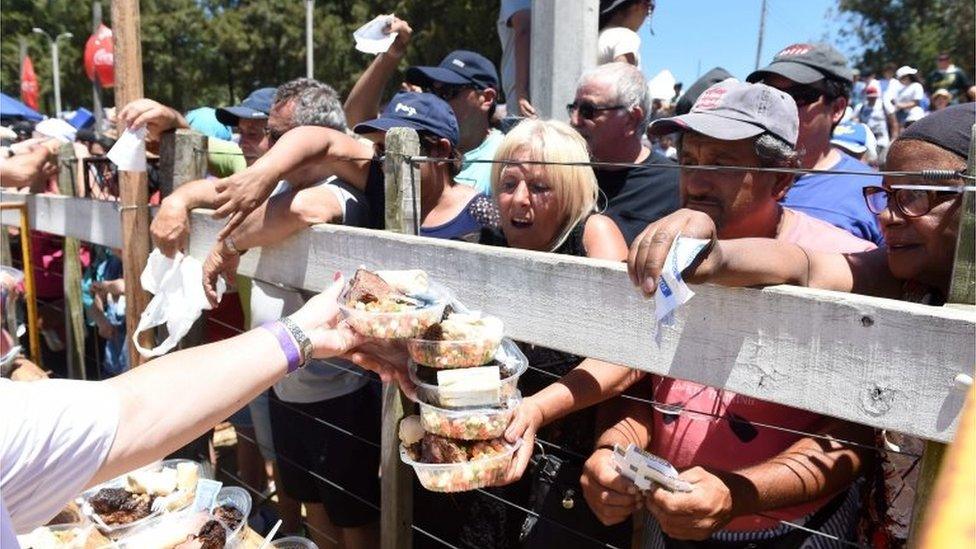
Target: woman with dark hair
pixel 909 98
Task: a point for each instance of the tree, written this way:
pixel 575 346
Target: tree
pixel 911 32
pixel 215 52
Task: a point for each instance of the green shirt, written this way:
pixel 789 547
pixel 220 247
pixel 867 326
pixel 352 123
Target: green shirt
pixel 224 158
pixel 478 175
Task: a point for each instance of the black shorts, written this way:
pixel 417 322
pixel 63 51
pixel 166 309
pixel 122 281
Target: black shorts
pixel 303 444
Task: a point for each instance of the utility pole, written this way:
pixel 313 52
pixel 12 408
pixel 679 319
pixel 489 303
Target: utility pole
pixel 55 67
pixel 762 30
pixel 23 54
pixel 309 42
pixel 96 85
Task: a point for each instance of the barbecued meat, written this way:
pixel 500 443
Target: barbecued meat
pixel 433 333
pixel 230 516
pixel 212 535
pixel 119 506
pixel 435 449
pixel 367 287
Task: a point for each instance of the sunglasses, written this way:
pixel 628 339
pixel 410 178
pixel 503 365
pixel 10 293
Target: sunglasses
pixel 587 111
pixel 909 200
pixel 448 92
pixel 804 94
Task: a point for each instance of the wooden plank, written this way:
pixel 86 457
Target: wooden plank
pixel 134 192
pixel 74 313
pixel 961 291
pixel 563 46
pixel 87 220
pixel 402 185
pixel 879 362
pixel 182 158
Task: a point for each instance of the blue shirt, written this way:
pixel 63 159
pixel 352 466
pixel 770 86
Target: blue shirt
pixel 478 174
pixel 838 200
pixel 480 212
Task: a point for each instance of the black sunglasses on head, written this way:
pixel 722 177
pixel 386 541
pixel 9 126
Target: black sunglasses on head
pixel 804 94
pixel 587 111
pixel 449 91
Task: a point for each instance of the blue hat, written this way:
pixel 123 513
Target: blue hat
pixel 256 106
pixel 424 112
pixel 82 118
pixel 459 67
pixel 851 136
pixel 204 120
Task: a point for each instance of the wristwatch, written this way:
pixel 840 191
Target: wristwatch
pixel 230 247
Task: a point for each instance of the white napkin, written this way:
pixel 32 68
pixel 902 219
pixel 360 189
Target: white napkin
pixel 672 292
pixel 370 37
pixel 129 152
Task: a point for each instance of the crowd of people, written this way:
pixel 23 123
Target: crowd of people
pixel 296 155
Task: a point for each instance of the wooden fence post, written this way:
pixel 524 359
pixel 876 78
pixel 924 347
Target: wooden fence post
pixel 134 191
pixel 183 158
pixel 962 290
pixel 402 216
pixel 74 312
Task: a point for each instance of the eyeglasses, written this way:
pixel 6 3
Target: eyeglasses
pixel 588 110
pixel 909 200
pixel 804 94
pixel 448 92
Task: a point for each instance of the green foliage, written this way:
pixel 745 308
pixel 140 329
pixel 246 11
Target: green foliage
pixel 214 52
pixel 911 32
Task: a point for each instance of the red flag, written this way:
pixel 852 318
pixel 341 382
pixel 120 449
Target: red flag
pixel 99 57
pixel 30 91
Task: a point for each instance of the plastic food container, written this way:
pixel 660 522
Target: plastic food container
pixel 168 530
pixel 118 530
pixel 399 325
pixel 63 535
pixel 294 542
pixel 239 499
pixel 459 477
pixel 468 423
pixel 510 360
pixel 452 353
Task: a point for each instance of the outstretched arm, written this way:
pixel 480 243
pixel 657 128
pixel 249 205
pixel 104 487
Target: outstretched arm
pixel 364 99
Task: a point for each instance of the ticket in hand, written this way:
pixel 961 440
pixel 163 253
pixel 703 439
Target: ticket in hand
pixel 672 291
pixel 645 469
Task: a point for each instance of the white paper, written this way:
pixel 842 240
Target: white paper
pixel 129 152
pixel 645 469
pixel 672 292
pixel 370 37
pixel 177 285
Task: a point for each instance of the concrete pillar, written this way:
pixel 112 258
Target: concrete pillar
pixel 564 34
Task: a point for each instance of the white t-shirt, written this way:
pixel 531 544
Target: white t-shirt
pixel 876 118
pixel 317 380
pixel 616 41
pixel 54 436
pixel 506 35
pixel 911 92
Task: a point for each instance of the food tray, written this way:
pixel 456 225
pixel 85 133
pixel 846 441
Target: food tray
pixel 116 531
pixel 168 530
pixel 468 423
pixel 399 325
pixel 508 358
pixel 460 477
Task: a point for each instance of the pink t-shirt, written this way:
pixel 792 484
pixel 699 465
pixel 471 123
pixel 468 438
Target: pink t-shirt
pixel 689 439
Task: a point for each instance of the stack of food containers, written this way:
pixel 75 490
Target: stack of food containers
pixel 466 374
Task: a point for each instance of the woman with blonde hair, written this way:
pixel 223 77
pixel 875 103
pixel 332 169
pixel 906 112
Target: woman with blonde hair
pixel 547 195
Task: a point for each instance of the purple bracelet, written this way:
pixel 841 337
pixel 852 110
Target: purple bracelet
pixel 286 343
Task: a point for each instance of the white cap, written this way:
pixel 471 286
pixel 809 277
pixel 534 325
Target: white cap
pixel 905 70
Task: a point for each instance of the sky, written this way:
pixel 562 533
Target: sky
pixel 724 32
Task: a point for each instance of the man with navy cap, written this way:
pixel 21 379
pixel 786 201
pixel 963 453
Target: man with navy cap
pixel 466 80
pixel 251 120
pixel 818 78
pixel 739 125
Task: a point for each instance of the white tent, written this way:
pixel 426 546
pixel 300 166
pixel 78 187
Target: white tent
pixel 662 85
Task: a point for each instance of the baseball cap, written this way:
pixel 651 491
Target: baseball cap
pixel 732 110
pixel 256 106
pixel 204 120
pixel 424 112
pixel 460 67
pixel 872 91
pixel 851 137
pixel 905 70
pixel 806 64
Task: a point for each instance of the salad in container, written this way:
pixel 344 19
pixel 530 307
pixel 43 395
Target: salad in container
pixel 468 423
pixel 488 385
pixel 392 304
pixel 460 340
pixel 446 465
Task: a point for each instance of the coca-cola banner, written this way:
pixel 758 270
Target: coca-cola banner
pixel 99 57
pixel 30 91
